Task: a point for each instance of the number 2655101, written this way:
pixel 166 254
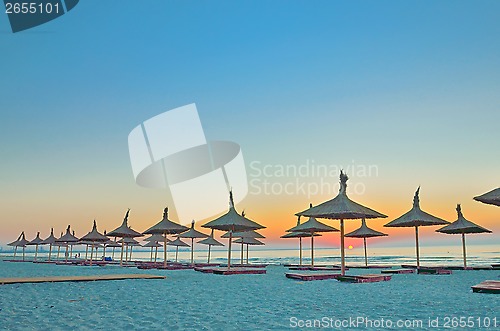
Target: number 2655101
pixel 31 8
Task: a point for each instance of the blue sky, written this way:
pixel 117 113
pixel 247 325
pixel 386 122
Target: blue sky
pixel 412 86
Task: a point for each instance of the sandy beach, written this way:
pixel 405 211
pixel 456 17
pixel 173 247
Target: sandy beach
pixel 189 300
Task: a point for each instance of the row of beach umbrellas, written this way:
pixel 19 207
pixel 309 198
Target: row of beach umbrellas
pixel 235 225
pixel 342 208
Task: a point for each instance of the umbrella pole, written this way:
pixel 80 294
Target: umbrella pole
pixel 242 245
pixel 104 252
pixel 71 251
pixel 86 251
pixel 58 250
pixel 464 251
pixel 24 250
pixel 247 253
pixel 50 250
pixel 91 253
pixel 66 253
pixel 192 250
pixel 130 258
pixel 342 248
pixel 36 252
pixel 165 250
pixel 300 251
pixel 176 253
pixel 209 246
pixel 156 253
pixel 312 251
pixel 366 258
pixel 151 257
pixel 15 251
pixel 229 250
pixel 416 245
pixel 121 254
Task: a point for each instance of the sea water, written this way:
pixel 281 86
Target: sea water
pixel 189 300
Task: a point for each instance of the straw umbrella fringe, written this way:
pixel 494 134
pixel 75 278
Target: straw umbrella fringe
pixel 491 198
pixel 232 221
pixel 37 241
pixel 463 226
pixel 177 242
pixel 248 241
pixel 365 232
pixel 341 208
pixel 210 241
pixel 312 226
pixel 51 240
pixel 20 242
pixel 68 239
pixel 192 233
pixel 243 234
pixel 94 237
pixel 299 235
pixel 414 218
pixel 165 227
pixel 124 231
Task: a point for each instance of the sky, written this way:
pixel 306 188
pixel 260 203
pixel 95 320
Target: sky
pixel 401 94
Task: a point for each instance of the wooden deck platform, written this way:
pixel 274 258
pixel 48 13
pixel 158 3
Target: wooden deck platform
pixel 332 268
pixel 206 270
pixel 313 276
pixel 173 267
pixel 371 278
pixel 488 286
pixel 398 271
pixel 434 271
pixel 53 279
pixel 238 271
pixel 250 265
pixel 374 266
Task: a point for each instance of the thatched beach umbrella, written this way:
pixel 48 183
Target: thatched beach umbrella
pixel 51 240
pixel 124 231
pixel 14 244
pixel 130 243
pixel 94 237
pixel 365 232
pixel 233 222
pixel 113 244
pixel 192 233
pixel 491 198
pixel 68 239
pixel 210 241
pixel 158 238
pixel 153 245
pixel 312 226
pixel 299 235
pixel 242 234
pixel 20 242
pixel 37 242
pixel 341 208
pixel 248 241
pixel 177 242
pixel 463 226
pixel 60 244
pixel 165 227
pixel 414 218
